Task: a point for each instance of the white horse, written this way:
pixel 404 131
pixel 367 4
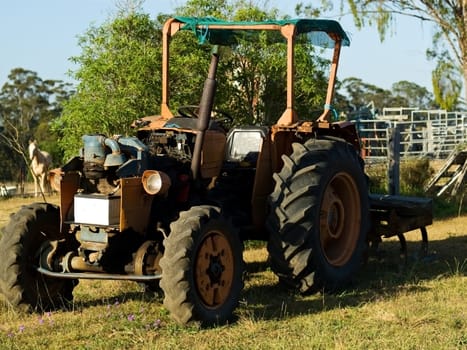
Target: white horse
pixel 40 163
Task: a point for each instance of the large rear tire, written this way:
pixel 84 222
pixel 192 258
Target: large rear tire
pixel 319 216
pixel 202 267
pixel 26 235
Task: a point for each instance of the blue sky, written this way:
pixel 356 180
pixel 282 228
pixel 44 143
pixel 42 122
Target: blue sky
pixel 41 36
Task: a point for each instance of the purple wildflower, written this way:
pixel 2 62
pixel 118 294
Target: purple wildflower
pixel 131 317
pixel 22 328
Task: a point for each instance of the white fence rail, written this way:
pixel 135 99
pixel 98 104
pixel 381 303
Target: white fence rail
pixel 424 133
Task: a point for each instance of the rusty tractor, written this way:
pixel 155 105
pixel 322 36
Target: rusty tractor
pixel 171 207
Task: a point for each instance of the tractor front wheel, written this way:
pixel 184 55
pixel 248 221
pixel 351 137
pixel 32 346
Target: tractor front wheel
pixel 30 231
pixel 202 267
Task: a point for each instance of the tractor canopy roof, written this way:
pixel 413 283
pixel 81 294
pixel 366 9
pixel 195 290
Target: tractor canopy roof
pixel 320 32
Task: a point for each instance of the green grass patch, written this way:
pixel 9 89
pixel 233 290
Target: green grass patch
pixel 415 304
pixel 421 306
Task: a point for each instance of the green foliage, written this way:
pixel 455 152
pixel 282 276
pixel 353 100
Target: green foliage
pixel 447 86
pixel 186 85
pixel 204 8
pixel 120 64
pixel 119 80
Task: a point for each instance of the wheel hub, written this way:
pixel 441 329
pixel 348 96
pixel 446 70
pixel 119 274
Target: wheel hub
pixel 335 215
pixel 339 219
pixel 214 269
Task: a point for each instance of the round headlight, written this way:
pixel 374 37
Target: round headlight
pixel 155 182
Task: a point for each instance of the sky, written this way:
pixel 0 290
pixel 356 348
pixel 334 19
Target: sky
pixel 41 36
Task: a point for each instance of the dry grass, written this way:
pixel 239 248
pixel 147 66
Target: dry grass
pixel 11 205
pixel 420 305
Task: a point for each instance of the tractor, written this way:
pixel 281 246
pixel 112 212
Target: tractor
pixel 172 206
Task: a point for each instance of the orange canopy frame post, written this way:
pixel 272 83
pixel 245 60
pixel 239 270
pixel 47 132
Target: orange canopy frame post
pixel 332 81
pixel 289 116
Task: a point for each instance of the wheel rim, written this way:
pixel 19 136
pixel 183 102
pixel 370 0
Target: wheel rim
pixel 214 269
pixel 340 219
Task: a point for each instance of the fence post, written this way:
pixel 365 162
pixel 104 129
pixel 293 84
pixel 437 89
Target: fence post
pixel 394 143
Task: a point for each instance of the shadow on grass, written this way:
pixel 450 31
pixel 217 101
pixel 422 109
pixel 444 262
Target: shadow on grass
pixel 383 277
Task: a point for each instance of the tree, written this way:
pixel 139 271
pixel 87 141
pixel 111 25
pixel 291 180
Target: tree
pixel 28 105
pixel 415 95
pixel 360 95
pixel 119 79
pixel 448 16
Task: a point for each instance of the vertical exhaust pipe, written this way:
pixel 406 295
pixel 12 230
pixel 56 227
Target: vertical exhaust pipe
pixel 204 117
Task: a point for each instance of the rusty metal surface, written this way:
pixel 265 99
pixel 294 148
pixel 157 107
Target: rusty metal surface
pixel 136 207
pixel 69 185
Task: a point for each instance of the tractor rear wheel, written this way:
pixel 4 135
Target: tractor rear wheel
pixel 202 267
pixel 319 216
pixel 29 232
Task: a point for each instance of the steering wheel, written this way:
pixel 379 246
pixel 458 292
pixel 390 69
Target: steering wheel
pixel 220 116
pixel 189 111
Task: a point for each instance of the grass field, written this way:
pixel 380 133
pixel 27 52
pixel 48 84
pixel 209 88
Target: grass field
pixel 418 305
